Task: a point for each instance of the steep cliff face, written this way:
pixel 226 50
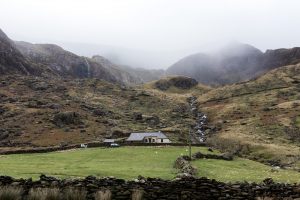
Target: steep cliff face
pixel 281 57
pixel 65 63
pixel 12 61
pixel 233 64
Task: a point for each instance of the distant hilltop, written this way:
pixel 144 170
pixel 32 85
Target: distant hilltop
pixel 232 64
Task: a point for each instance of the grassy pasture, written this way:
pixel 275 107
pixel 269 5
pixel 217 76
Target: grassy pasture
pixel 129 162
pixel 243 170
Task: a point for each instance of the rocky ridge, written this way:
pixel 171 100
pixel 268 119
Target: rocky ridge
pixel 12 60
pixel 67 64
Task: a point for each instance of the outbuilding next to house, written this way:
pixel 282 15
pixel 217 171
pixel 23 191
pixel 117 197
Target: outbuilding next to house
pixel 108 141
pixel 151 137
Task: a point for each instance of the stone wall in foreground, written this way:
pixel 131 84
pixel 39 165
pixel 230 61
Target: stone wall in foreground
pixel 184 188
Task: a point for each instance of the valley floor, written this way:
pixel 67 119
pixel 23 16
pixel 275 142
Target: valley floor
pixel 129 162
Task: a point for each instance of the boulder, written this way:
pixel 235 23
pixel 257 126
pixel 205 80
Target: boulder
pixel 54 106
pixel 40 86
pixel 137 116
pixel 36 103
pixel 2 110
pixel 227 156
pixel 152 120
pixel 100 112
pixel 118 133
pixel 3 134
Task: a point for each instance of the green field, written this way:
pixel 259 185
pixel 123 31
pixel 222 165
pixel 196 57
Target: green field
pixel 129 162
pixel 243 170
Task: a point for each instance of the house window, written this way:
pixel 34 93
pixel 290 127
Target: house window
pixel 161 140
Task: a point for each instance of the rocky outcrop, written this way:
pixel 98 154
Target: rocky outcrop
pixel 180 82
pixel 12 61
pixel 65 63
pixel 281 57
pixel 137 116
pixel 152 188
pixel 3 134
pixel 66 118
pixel 51 60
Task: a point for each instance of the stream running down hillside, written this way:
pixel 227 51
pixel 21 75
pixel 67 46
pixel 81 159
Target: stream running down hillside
pixel 198 129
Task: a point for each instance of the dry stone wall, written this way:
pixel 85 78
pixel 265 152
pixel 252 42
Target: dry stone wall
pixel 151 188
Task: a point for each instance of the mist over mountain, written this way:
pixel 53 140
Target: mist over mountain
pixel 136 58
pixel 231 64
pixel 141 75
pixel 234 63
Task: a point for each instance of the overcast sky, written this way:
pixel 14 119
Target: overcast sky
pixel 169 28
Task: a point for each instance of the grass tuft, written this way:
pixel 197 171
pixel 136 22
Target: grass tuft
pixel 10 193
pixel 44 194
pixel 103 195
pixel 137 194
pixel 74 194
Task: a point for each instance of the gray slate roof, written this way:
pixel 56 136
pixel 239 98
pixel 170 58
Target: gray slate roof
pixel 109 140
pixel 141 136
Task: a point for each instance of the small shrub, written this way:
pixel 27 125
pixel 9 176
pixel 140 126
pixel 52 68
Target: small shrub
pixel 37 194
pixel 44 194
pixel 74 194
pixel 229 145
pixel 103 195
pixel 10 193
pixel 137 194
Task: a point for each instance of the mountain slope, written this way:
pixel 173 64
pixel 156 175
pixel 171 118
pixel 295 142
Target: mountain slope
pixel 65 63
pixel 139 75
pixel 260 118
pixel 49 59
pixel 117 71
pixel 39 111
pixel 68 64
pixel 232 64
pixel 146 75
pixel 12 61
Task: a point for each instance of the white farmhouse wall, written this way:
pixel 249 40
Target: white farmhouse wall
pixel 163 141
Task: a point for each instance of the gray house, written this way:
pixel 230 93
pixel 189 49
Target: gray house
pixel 152 137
